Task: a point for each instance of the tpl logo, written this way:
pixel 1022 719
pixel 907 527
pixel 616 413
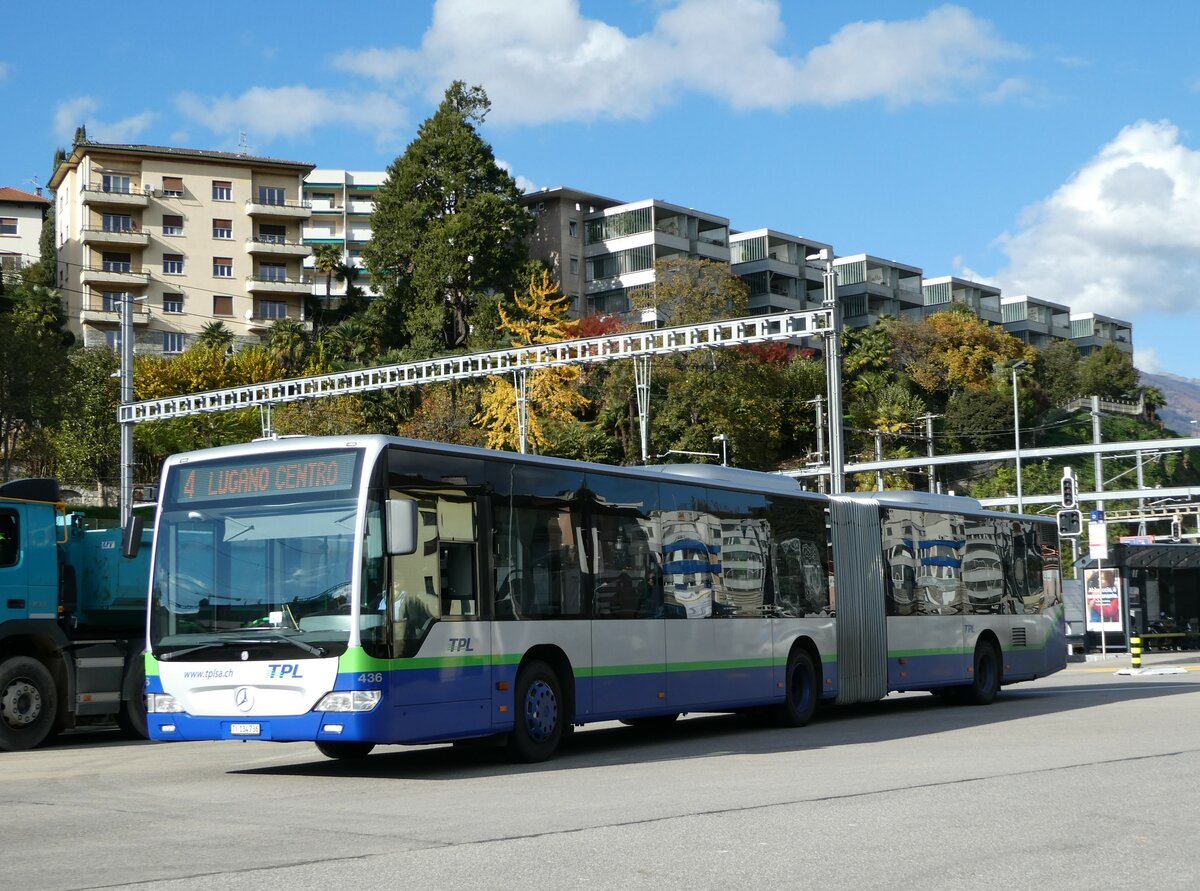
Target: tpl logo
pixel 280 670
pixel 460 645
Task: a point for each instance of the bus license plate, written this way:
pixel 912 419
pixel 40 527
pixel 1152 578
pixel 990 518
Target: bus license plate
pixel 245 729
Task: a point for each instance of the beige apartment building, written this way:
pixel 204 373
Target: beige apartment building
pixel 189 236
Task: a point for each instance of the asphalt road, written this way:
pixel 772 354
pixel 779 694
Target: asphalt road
pixel 1084 779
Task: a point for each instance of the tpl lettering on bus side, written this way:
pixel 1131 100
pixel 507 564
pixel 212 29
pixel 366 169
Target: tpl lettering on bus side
pixel 459 645
pixel 282 670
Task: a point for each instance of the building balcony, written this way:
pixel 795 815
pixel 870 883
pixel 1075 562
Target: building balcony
pixel 123 274
pixel 270 246
pixel 298 284
pixel 98 311
pixel 291 210
pixel 121 237
pixel 259 324
pixel 97 196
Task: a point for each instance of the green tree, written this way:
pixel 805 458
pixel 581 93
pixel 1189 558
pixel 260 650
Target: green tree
pixel 1056 371
pixel 287 341
pixel 1108 372
pixel 33 363
pixel 448 225
pixel 87 438
pixel 689 291
pixel 216 334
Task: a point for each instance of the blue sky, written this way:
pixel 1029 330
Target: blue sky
pixel 1051 148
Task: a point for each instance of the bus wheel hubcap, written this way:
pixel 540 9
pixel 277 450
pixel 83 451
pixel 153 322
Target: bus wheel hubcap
pixel 541 711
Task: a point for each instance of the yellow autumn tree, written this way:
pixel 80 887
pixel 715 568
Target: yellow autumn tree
pixel 551 393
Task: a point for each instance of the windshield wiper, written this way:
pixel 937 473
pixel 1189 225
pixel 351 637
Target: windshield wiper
pixel 278 637
pixel 207 645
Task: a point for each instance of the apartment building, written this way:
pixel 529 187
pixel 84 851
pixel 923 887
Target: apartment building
pixel 776 270
pixel 21 216
pixel 870 288
pixel 1091 330
pixel 945 291
pixel 342 202
pixel 189 236
pixel 1035 322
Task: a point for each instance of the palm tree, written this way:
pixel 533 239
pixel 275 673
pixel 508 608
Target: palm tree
pixel 215 334
pixel 352 340
pixel 287 341
pixel 327 258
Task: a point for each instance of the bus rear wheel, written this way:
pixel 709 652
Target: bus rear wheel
pixel 28 703
pixel 538 722
pixel 345 750
pixel 800 696
pixel 985 683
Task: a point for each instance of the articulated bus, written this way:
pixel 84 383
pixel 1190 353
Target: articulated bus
pixel 358 591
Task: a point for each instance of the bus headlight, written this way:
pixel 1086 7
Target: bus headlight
pixel 161 703
pixel 349 701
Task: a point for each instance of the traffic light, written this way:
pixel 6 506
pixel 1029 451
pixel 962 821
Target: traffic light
pixel 1068 488
pixel 1070 522
pixel 1176 529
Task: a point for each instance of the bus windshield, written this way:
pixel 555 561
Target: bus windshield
pixel 258 556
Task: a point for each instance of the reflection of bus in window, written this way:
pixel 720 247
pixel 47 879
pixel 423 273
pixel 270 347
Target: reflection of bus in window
pixel 982 569
pixel 372 590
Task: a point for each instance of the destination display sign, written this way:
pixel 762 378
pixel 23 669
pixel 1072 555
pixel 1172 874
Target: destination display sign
pixel 255 477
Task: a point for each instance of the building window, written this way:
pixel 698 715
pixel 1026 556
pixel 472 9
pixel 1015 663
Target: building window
pixel 172 187
pixel 272 233
pixel 272 309
pixel 173 264
pixel 222 190
pixel 573 228
pixel 113 182
pixel 8 225
pixel 114 262
pixel 574 266
pixel 172 224
pixel 222 306
pixel 117 222
pixel 172 303
pixel 223 267
pixel 172 342
pixel 112 340
pixel 112 300
pixel 223 229
pixel 270 195
pixel 272 272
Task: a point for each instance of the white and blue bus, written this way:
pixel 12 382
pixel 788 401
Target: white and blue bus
pixel 357 591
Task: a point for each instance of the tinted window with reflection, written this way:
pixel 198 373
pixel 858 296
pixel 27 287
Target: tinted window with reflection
pixel 624 546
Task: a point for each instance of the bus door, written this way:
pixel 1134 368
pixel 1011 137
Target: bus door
pixel 621 536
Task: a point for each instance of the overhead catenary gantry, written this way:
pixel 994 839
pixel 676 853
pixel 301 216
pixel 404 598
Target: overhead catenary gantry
pixel 638 345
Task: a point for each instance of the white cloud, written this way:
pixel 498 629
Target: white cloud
pixel 524 183
pixel 70 113
pixel 1121 236
pixel 1146 359
pixel 543 60
pixel 266 113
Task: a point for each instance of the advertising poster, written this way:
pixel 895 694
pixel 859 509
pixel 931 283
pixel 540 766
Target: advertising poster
pixel 1102 599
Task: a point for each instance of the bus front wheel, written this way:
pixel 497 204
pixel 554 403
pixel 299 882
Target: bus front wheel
pixel 800 695
pixel 538 722
pixel 345 750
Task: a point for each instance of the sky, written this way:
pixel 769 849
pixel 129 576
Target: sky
pixel 1050 148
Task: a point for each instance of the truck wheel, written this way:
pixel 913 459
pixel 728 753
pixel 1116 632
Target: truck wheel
pixel 132 716
pixel 28 702
pixel 539 719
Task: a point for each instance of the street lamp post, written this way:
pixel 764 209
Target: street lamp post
pixel 724 441
pixel 1021 363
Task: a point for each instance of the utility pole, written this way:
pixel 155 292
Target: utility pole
pixel 930 472
pixel 125 496
pixel 833 371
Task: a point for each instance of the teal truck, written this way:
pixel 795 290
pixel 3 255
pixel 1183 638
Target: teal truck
pixel 72 620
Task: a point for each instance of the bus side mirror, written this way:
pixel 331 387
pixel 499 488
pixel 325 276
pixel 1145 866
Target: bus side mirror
pixel 402 521
pixel 131 537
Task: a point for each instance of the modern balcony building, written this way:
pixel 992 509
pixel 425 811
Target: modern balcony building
pixel 776 270
pixel 947 290
pixel 189 236
pixel 870 288
pixel 1035 322
pixel 1091 330
pixel 21 215
pixel 342 202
